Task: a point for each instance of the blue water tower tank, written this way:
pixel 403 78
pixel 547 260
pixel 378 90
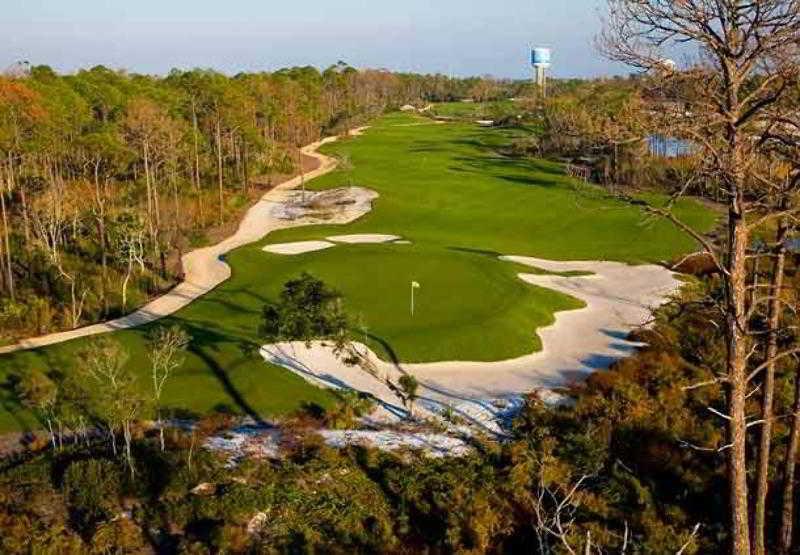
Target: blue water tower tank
pixel 541 57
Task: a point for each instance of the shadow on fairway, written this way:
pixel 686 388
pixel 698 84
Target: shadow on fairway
pixel 387 348
pixel 480 252
pixel 203 342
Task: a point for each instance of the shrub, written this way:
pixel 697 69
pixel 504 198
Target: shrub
pixel 92 490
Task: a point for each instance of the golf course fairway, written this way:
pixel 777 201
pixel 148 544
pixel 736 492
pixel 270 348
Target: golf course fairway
pixel 444 189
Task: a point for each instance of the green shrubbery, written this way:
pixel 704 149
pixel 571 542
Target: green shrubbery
pixel 614 464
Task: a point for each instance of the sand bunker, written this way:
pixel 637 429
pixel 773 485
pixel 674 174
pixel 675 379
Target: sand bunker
pixel 300 247
pixel 618 298
pixel 363 238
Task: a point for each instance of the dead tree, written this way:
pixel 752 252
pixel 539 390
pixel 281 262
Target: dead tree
pixel 737 91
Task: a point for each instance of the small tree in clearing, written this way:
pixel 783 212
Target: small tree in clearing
pixel 117 401
pixel 39 393
pixel 410 386
pixel 307 310
pixel 167 346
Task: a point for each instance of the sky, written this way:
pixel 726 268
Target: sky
pixel 462 38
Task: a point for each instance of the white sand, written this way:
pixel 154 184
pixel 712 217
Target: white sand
pixel 432 445
pixel 618 299
pixel 253 441
pixel 299 247
pixel 363 238
pixel 205 268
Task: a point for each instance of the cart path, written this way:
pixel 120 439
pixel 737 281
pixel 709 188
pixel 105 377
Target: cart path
pixel 204 268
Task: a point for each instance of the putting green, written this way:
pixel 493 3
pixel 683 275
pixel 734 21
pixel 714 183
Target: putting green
pixel 443 188
pixel 469 307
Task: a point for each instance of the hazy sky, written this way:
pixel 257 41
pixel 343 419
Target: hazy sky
pixel 463 37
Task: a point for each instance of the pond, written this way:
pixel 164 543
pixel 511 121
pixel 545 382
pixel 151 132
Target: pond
pixel 668 147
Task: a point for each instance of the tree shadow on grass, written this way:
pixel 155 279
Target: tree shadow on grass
pixel 480 252
pixel 205 342
pixel 387 348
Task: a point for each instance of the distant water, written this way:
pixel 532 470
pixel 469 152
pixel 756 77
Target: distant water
pixel 668 147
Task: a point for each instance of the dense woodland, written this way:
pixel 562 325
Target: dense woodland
pixel 107 177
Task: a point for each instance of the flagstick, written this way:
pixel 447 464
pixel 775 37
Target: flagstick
pixel 412 299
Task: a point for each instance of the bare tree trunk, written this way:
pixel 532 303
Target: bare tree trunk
pixel 7 244
pixel 156 203
pixel 196 165
pixel 219 169
pixel 300 169
pixel 246 168
pixel 126 432
pixel 175 203
pixel 52 433
pixel 786 531
pixel 101 232
pixel 146 149
pixel 26 220
pixel 737 391
pixel 125 284
pixel 765 443
pixel 113 440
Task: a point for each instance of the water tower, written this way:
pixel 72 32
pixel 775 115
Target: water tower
pixel 541 60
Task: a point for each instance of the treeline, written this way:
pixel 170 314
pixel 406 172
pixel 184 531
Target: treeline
pixel 107 177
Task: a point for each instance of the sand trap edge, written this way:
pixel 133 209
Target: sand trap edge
pixel 363 238
pixel 298 247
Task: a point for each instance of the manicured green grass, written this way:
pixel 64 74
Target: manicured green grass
pixel 471 110
pixel 441 187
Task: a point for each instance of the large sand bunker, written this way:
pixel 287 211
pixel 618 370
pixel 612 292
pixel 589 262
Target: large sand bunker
pixel 618 297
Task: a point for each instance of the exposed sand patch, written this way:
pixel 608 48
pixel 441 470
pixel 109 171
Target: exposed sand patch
pixel 432 445
pixel 300 247
pixel 618 298
pixel 363 238
pixel 262 442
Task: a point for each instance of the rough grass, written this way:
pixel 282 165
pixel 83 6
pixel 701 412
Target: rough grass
pixel 442 187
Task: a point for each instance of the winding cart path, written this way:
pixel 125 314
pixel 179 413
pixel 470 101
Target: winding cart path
pixel 204 268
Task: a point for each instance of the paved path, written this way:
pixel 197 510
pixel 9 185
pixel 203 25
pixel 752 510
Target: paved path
pixel 204 268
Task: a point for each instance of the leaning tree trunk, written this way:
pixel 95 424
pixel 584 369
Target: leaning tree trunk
pixel 765 443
